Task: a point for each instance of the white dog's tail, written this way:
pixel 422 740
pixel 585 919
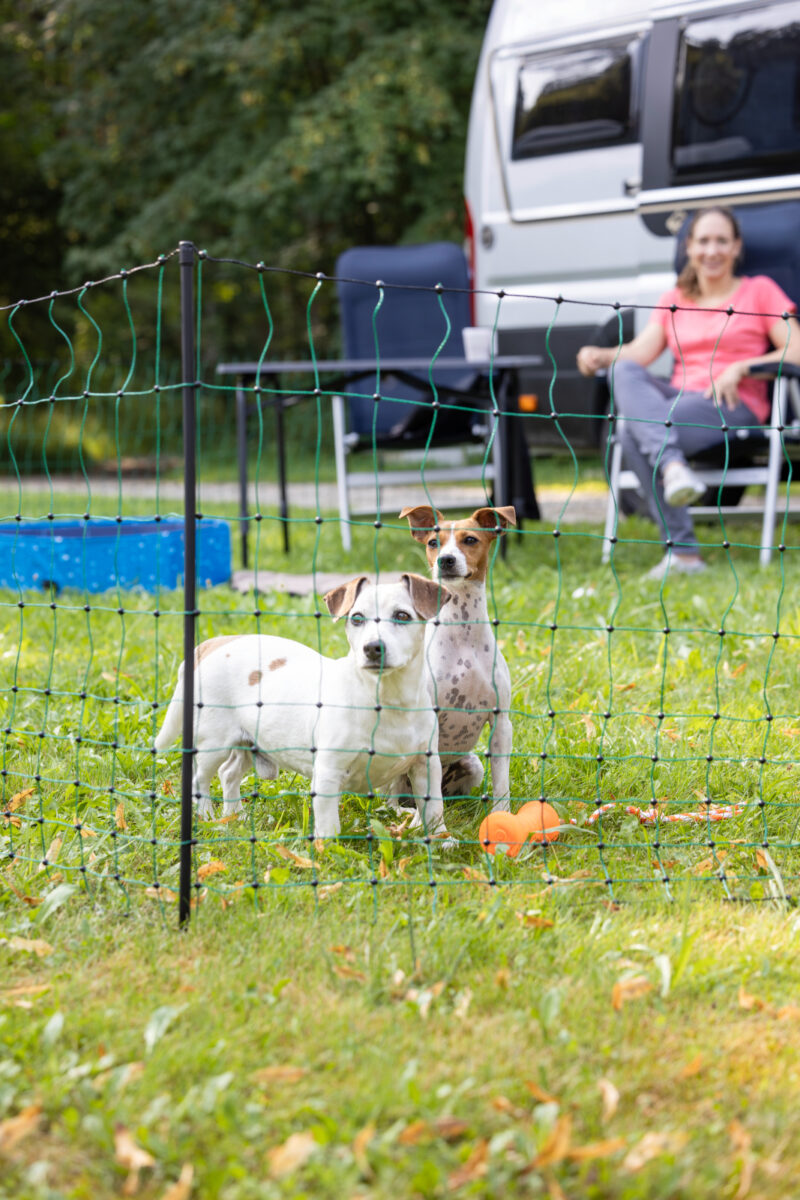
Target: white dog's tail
pixel 173 722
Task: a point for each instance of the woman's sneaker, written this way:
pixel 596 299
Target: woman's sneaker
pixel 676 564
pixel 681 485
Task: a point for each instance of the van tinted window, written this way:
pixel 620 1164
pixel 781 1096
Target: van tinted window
pixel 737 96
pixel 575 99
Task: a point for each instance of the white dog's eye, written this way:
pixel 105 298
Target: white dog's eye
pixel 401 615
pixel 357 619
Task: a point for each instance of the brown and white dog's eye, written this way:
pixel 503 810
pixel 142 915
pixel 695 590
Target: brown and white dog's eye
pixel 433 541
pixel 401 616
pixel 469 540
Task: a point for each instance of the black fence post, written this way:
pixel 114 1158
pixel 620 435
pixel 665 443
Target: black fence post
pixel 189 370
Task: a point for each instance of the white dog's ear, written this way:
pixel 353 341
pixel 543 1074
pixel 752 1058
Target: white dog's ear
pixel 495 520
pixel 422 520
pixel 426 595
pixel 342 598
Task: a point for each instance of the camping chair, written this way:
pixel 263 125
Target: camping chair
pixel 760 455
pixel 411 321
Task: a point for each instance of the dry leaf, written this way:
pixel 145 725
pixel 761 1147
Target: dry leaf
pixel 161 893
pixel 474 1168
pixel 33 945
pixel 132 1157
pixel 502 977
pixel 328 890
pixel 51 854
pixel 710 864
pixel 13 804
pixel 741 1144
pixel 539 1093
pixel 693 1067
pixel 345 952
pixel 299 860
pixel 556 1145
pixel 16 1128
pixel 24 989
pixel 592 1150
pixel 182 1188
pixel 788 1012
pixel 346 972
pixel 653 1145
pixel 414 1133
pixel 475 875
pixel 761 860
pixel 533 921
pixel 503 1104
pixel 284 1073
pixel 629 989
pixel 610 1097
pixel 210 868
pixel 749 1001
pixel 295 1151
pixel 360 1143
pixel 450 1129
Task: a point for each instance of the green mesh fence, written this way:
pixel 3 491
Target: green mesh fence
pixel 660 720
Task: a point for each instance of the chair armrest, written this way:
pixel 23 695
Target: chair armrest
pixel 771 370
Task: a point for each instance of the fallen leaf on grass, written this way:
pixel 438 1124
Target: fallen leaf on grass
pixel 475 876
pixel 324 892
pixel 629 989
pixel 593 1150
pixel 119 817
pixel 124 1075
pixel 539 1093
pixel 556 1145
pixel 182 1188
pixel 693 1067
pixel 36 946
pixel 653 1145
pixel 360 1143
pixel 450 1129
pixel 161 893
pixel 474 1168
pixel 299 860
pixel 210 868
pixel 13 804
pixel 132 1157
pixel 741 1144
pixel 610 1097
pixel 345 972
pixel 502 977
pixel 295 1151
pixel 414 1133
pixel 14 1129
pixel 283 1073
pixel 710 864
pixel 748 1001
pixel 51 854
pixel 24 989
pixel 31 901
pixel 533 921
pixel 502 1104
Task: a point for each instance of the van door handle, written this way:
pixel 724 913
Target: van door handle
pixel 632 187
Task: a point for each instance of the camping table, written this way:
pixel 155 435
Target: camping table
pixel 339 374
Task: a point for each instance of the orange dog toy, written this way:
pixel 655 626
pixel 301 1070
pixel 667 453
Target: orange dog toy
pixel 536 821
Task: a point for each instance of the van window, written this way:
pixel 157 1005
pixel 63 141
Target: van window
pixel 575 99
pixel 737 96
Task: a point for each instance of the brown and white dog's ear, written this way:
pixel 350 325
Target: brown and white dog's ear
pixel 422 519
pixel 427 596
pixel 341 599
pixel 496 520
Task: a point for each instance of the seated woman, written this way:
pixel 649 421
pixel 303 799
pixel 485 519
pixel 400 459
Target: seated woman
pixel 709 391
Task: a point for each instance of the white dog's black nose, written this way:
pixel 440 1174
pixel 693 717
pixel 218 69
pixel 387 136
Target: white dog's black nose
pixel 375 653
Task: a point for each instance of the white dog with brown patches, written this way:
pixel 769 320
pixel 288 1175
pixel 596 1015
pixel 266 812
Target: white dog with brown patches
pixel 349 724
pixel 471 678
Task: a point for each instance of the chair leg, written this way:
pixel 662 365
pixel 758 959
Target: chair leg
pixel 340 454
pixel 773 473
pixel 612 505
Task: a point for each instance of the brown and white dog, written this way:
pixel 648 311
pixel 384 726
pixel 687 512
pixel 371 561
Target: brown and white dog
pixel 349 724
pixel 471 679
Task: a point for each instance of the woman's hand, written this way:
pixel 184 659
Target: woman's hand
pixel 591 359
pixel 726 385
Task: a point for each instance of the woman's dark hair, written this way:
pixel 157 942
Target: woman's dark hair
pixel 687 280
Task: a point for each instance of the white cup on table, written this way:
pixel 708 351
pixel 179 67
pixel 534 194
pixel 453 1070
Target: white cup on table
pixel 480 341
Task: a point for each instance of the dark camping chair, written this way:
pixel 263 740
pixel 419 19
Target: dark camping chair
pixel 411 321
pixel 760 456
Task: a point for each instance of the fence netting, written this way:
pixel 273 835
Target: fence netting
pixel 658 719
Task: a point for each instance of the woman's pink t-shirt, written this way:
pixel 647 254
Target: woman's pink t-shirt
pixel 693 332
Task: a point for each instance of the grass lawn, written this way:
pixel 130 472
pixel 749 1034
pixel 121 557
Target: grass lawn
pixel 612 1015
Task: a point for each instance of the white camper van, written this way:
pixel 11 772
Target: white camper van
pixel 594 129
